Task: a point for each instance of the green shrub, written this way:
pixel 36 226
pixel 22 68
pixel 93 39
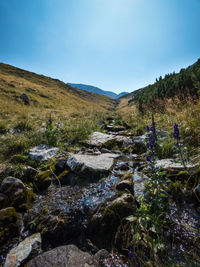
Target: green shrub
pixel 3 128
pixel 23 126
pixel 165 149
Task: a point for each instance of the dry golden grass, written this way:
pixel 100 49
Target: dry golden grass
pixel 79 112
pixel 46 95
pixel 166 113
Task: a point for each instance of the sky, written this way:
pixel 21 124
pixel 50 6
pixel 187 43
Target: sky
pixel 117 45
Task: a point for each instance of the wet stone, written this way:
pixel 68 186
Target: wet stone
pixel 139 181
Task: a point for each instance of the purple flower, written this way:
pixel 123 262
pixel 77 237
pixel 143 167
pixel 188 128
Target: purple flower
pixel 152 142
pixel 153 127
pixel 130 254
pixel 148 158
pixel 147 128
pixel 176 133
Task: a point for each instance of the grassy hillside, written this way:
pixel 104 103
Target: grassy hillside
pixel 173 99
pixel 77 111
pixel 184 85
pixel 45 94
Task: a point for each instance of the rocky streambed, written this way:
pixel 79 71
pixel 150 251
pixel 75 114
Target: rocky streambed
pixel 75 211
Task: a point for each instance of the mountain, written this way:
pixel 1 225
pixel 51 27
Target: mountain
pixel 185 84
pixel 96 90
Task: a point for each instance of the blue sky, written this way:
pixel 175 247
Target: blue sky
pixel 117 45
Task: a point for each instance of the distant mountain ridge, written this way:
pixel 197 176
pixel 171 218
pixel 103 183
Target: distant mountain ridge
pixel 96 90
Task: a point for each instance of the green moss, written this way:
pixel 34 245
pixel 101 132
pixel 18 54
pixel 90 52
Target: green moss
pixel 44 174
pixel 9 224
pixel 63 174
pixel 30 196
pixel 111 144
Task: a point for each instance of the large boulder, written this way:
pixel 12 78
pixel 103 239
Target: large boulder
pixel 64 256
pixel 43 152
pixel 108 218
pixel 28 248
pixel 63 213
pixel 91 166
pixel 9 224
pixel 15 191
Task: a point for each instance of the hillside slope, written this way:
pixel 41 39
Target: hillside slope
pixel 185 84
pixel 45 94
pixel 96 90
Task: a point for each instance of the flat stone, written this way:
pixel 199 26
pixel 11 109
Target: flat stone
pixel 91 165
pixel 64 256
pixel 29 247
pixel 172 166
pixel 43 152
pixel 98 138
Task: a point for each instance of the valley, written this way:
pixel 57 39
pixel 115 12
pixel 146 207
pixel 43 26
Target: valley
pixel 91 181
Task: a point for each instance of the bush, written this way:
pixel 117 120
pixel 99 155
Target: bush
pixel 23 126
pixel 3 128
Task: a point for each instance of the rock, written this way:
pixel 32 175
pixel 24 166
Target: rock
pixel 28 248
pixel 197 192
pixel 28 174
pixel 112 259
pixel 108 218
pixel 9 224
pixel 63 213
pixel 139 144
pixel 123 140
pixel 60 166
pixel 25 98
pixel 139 180
pixel 125 185
pixel 91 166
pixel 15 190
pixel 105 150
pixel 3 201
pixel 18 195
pixel 122 166
pixel 64 256
pixel 173 167
pixel 43 152
pixel 99 139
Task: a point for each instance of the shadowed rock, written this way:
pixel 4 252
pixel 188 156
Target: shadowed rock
pixel 64 256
